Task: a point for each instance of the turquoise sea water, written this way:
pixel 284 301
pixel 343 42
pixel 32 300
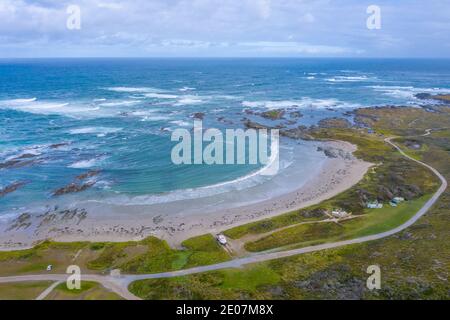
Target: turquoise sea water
pixel 117 115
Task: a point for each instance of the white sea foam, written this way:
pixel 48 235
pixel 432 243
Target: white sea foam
pixel 15 153
pixel 85 164
pixel 303 103
pixel 186 89
pixel 350 79
pixel 46 107
pixel 20 101
pixel 134 89
pixel 406 92
pixel 181 123
pixel 95 130
pixel 188 100
pixel 119 103
pixel 160 96
pixel 155 118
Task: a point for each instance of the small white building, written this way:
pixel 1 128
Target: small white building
pixel 374 205
pixel 49 267
pixel 340 213
pixel 397 200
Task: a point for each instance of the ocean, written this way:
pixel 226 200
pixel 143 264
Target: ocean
pixel 60 118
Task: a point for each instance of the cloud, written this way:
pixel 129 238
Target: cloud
pixel 223 28
pixel 110 5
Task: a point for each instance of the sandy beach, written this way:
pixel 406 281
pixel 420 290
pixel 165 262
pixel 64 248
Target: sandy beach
pixel 179 220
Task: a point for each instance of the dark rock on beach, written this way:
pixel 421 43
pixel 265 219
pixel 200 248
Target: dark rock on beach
pixel 335 153
pixel 22 221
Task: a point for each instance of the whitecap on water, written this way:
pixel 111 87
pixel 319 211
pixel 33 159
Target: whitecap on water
pixel 95 130
pixel 303 103
pixel 120 103
pixel 47 107
pixel 186 89
pixel 85 164
pixel 134 89
pixel 350 79
pixel 188 101
pixel 160 96
pixel 180 123
pixel 406 92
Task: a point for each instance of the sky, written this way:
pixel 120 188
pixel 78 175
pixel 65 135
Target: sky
pixel 224 28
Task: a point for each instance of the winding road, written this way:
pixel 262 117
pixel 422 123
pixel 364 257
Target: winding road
pixel 120 284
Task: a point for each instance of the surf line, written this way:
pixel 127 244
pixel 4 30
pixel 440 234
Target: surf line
pixel 251 146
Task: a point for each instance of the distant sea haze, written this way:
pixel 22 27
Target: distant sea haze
pixel 68 116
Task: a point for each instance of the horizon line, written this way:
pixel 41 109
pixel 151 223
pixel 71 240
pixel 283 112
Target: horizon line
pixel 224 57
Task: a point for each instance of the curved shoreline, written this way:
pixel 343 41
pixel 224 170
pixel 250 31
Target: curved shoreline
pixel 120 285
pixel 335 176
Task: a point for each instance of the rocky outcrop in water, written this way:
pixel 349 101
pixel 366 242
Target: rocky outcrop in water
pixel 87 175
pixel 20 162
pixel 295 114
pixel 273 114
pixel 198 116
pixel 58 145
pixel 73 188
pixel 82 182
pixel 11 188
pixel 254 125
pixel 445 98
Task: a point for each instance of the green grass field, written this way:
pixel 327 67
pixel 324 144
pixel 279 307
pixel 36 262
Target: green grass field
pixel 88 291
pixel 374 221
pixel 146 256
pixel 23 290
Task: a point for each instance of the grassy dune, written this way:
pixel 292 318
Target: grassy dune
pixel 374 221
pixel 146 256
pixel 22 290
pixel 88 291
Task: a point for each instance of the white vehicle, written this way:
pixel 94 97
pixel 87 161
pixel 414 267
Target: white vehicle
pixel 222 240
